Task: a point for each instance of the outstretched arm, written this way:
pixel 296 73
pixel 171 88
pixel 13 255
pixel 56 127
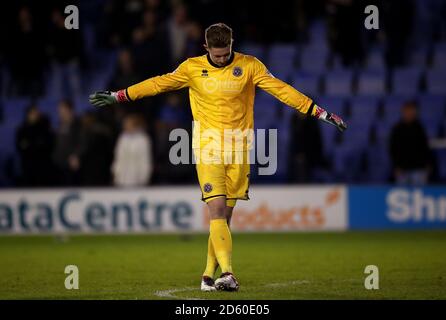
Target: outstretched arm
pixel 290 96
pixel 175 80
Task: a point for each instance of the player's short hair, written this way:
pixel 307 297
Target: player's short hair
pixel 218 35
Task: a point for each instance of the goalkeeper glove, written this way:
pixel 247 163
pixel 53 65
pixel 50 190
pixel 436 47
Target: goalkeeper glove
pixel 330 118
pixel 108 98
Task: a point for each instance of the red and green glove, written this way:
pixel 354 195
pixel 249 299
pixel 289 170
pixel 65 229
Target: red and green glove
pixel 330 118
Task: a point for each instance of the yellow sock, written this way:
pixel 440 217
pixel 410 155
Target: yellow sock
pixel 211 263
pixel 222 243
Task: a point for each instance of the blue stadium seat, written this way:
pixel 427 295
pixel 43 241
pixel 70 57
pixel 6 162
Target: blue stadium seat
pixel 81 104
pixel 372 83
pixel 441 160
pixel 252 49
pixel 346 162
pixel 313 60
pixel 436 81
pixel 375 60
pixel 307 83
pixel 89 34
pixel 339 83
pixel 265 108
pixel 392 108
pixel 428 12
pixel 406 81
pixel 432 106
pixel 332 104
pixel 14 111
pixel 378 164
pixel 439 56
pixel 363 108
pixel 418 57
pixel 382 131
pixel 431 113
pixel 431 127
pixel 8 137
pixel 283 142
pixel 281 60
pixel 318 35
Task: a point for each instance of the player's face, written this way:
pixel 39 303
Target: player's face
pixel 220 56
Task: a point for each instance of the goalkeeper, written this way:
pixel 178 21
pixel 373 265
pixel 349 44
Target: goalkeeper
pixel 221 91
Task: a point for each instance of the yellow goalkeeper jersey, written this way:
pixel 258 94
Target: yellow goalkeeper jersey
pixel 221 98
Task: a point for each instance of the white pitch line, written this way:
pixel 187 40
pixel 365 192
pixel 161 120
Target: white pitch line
pixel 169 293
pixel 284 284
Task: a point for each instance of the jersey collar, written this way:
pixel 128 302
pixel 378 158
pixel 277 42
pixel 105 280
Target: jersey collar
pixel 231 58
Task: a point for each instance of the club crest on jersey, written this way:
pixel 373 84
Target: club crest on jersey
pixel 204 73
pixel 237 71
pixel 207 187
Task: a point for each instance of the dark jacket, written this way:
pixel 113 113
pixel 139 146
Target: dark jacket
pixel 409 147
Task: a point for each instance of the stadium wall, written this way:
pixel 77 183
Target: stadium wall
pixel 180 210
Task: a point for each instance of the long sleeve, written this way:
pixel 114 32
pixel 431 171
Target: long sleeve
pixel 279 89
pixel 175 80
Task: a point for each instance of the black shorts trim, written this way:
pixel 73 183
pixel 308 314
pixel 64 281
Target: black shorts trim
pixel 217 195
pixel 245 198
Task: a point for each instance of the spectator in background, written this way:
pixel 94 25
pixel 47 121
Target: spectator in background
pixel 132 164
pixel 150 51
pixel 66 152
pixel 66 50
pixel 345 22
pixel 176 27
pixel 150 47
pixel 34 143
pixel 398 31
pixel 306 149
pixel 95 152
pixel 123 77
pixel 119 20
pixel 409 148
pixel 25 54
pixel 173 115
pixel 194 41
pixel 124 74
pixel 158 6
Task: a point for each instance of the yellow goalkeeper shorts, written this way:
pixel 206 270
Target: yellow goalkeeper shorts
pixel 224 174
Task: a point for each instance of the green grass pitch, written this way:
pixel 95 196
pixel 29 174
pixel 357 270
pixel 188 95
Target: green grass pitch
pixel 412 265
